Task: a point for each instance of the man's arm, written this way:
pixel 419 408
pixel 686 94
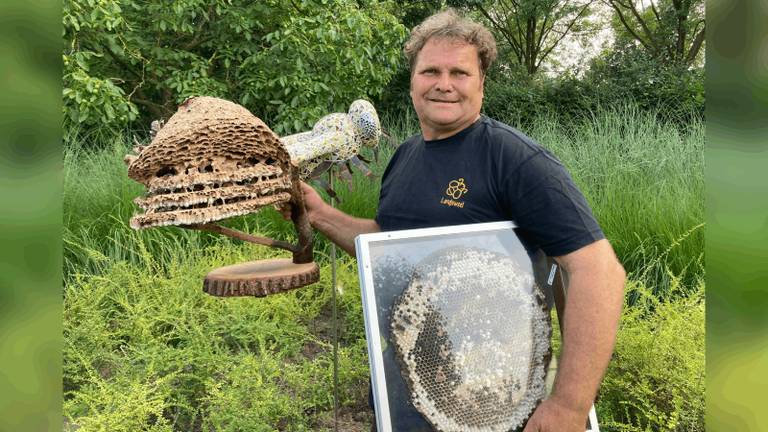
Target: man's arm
pixel 592 309
pixel 338 226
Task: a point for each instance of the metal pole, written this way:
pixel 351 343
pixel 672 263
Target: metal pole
pixel 335 323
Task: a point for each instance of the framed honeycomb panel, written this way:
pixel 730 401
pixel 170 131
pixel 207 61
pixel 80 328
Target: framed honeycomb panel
pixel 458 330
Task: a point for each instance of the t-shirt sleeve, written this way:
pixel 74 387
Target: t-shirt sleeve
pixel 384 181
pixel 548 207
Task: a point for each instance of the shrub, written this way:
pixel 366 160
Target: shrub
pixel 672 93
pixel 655 381
pixel 143 341
pixel 288 62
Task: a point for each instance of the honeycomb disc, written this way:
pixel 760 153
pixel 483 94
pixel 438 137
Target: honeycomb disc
pixel 471 332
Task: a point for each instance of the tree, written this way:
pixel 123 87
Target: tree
pixel 668 30
pixel 532 28
pixel 289 62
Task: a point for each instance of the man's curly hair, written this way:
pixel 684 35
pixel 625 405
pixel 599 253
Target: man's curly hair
pixel 450 25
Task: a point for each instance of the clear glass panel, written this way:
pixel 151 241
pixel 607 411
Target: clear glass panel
pixel 472 328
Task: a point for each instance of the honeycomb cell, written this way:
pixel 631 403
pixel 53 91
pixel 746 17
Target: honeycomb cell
pixel 471 334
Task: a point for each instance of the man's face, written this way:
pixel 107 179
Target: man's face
pixel 446 87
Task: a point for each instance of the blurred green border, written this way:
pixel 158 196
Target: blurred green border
pixel 30 219
pixel 737 215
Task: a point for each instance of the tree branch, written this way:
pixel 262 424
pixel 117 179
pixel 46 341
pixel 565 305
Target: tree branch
pixel 544 31
pixel 514 45
pixel 642 23
pixel 680 30
pixel 614 4
pixel 567 29
pixel 695 46
pixel 655 12
pixel 158 111
pixel 243 236
pixel 530 31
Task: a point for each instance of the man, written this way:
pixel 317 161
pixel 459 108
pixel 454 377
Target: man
pixel 467 168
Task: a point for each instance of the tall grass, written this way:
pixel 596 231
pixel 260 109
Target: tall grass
pixel 645 182
pixel 642 177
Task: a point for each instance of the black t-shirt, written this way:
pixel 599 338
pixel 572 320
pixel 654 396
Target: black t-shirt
pixel 487 172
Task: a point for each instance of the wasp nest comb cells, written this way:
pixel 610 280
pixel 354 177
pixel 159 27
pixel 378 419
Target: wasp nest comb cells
pixel 471 332
pixel 212 160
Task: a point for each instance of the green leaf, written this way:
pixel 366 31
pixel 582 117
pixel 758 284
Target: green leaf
pixel 182 48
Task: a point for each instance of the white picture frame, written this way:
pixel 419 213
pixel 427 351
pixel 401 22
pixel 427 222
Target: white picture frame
pixel 412 246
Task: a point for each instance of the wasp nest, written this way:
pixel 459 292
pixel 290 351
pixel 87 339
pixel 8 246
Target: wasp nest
pixel 471 332
pixel 212 160
pixel 335 137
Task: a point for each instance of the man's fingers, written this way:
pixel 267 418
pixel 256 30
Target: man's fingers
pixel 308 190
pixel 284 209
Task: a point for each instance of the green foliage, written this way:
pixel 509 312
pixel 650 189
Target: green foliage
pixel 122 404
pixel 94 102
pixel 288 62
pixel 247 396
pixel 670 92
pixel 655 381
pixel 512 96
pixel 146 349
pixel 668 31
pixel 675 91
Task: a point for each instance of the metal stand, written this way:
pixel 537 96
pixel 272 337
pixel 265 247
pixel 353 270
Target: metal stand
pixel 335 323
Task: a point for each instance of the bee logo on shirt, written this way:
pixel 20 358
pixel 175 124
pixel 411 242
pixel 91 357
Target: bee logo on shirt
pixel 456 189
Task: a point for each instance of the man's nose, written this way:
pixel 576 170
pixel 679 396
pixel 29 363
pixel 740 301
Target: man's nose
pixel 444 83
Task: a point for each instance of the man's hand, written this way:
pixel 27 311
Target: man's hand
pixel 551 416
pixel 338 226
pixel 313 202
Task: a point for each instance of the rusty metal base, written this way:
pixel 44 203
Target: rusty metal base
pixel 260 278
